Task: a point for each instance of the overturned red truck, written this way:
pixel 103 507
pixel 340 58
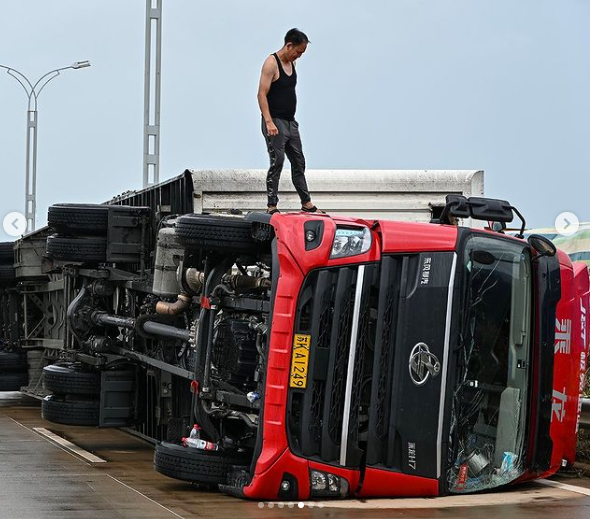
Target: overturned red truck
pixel 409 359
pixel 322 356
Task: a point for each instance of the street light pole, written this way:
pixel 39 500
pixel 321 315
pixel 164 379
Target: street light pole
pixel 33 92
pixel 152 83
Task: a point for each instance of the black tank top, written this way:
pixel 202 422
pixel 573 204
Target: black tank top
pixel 282 99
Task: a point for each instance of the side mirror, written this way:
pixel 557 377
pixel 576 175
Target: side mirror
pixel 542 245
pixel 456 206
pixel 490 209
pixel 498 227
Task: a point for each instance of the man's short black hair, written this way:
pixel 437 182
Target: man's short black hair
pixel 296 37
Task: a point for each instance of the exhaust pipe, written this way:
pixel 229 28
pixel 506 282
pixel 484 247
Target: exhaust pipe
pixel 239 283
pixel 176 308
pixel 152 327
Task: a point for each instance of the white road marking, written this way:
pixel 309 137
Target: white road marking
pixel 65 450
pixel 62 442
pixel 77 450
pixel 70 448
pixel 18 423
pixel 148 498
pixel 564 486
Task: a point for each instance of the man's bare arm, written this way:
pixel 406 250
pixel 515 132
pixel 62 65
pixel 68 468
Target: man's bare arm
pixel 269 70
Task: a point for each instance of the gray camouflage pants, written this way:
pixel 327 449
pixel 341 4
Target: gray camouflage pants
pixel 288 142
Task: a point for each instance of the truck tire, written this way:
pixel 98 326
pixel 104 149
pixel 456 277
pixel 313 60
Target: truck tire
pixel 68 411
pixel 83 248
pixel 7 273
pixel 12 362
pixel 66 380
pixel 194 465
pixel 7 253
pixel 79 218
pixel 13 381
pixel 207 231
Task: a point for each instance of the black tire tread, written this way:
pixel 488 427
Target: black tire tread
pixel 193 465
pixel 13 381
pixel 7 272
pixel 64 380
pixel 215 232
pixel 77 249
pixel 13 361
pixel 77 412
pixel 89 218
pixel 6 252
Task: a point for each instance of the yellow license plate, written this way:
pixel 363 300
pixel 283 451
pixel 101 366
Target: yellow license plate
pixel 299 361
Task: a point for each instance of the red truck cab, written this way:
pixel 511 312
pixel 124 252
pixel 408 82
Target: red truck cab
pixel 410 359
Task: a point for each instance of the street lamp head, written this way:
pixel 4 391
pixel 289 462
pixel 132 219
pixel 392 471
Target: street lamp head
pixel 81 64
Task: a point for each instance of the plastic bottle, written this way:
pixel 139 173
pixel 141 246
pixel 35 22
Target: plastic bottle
pixel 195 432
pixel 197 443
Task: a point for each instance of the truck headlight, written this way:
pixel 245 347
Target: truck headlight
pixel 351 241
pixel 324 484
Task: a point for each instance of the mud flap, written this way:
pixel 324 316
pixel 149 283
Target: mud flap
pixel 126 234
pixel 117 396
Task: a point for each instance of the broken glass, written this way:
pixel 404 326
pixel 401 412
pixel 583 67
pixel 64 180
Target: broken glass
pixel 492 371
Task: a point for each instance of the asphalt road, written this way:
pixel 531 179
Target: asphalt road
pixel 39 479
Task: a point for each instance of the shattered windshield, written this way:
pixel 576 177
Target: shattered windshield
pixel 492 371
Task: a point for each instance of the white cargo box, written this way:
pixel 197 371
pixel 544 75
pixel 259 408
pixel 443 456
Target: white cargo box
pixel 389 194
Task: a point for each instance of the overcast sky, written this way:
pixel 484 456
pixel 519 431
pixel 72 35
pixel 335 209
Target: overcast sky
pixel 498 85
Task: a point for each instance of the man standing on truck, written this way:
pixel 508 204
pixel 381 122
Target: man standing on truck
pixel 277 100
